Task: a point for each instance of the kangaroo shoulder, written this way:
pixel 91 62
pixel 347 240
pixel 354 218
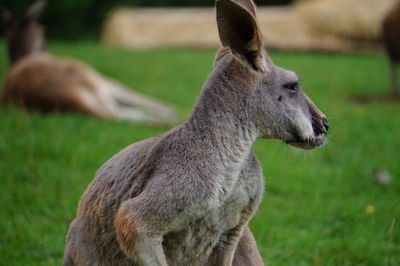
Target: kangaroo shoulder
pixel 128 158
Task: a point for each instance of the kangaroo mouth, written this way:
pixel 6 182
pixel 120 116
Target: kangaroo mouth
pixel 308 144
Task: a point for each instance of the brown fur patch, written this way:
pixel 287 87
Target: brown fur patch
pixel 126 230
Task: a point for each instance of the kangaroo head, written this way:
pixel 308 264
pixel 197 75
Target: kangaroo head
pixel 24 34
pixel 277 104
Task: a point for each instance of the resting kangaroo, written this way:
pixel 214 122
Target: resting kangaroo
pixel 48 83
pixel 186 197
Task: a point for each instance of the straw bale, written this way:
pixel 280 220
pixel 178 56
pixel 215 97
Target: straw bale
pixel 283 28
pixel 352 19
pixel 160 27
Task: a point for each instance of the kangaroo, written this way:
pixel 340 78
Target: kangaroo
pixel 49 83
pixel 391 38
pixel 186 197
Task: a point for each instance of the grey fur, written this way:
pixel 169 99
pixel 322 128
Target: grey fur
pixel 186 197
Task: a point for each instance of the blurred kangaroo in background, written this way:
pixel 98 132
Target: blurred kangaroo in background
pixel 186 197
pixel 48 83
pixel 391 38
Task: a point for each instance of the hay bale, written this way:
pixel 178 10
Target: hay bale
pixel 160 27
pixel 283 29
pixel 352 19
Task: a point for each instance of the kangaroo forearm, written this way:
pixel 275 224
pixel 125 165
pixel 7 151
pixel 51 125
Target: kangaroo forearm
pixel 135 241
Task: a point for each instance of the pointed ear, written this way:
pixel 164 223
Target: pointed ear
pixel 35 10
pixel 5 15
pixel 238 29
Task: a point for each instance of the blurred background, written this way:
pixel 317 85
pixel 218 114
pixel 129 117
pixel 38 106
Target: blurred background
pixel 327 25
pixel 77 19
pixel 336 205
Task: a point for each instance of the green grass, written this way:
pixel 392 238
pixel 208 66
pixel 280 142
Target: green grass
pixel 313 212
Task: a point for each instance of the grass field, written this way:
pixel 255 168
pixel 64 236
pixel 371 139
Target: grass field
pixel 314 210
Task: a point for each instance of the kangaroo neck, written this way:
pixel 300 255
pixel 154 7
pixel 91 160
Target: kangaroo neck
pixel 221 117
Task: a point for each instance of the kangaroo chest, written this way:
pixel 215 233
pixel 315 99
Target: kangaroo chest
pixel 196 242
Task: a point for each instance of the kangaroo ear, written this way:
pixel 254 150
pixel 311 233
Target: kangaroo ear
pixel 35 10
pixel 238 29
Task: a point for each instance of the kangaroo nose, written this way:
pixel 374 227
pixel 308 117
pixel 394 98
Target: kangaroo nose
pixel 325 123
pixel 320 126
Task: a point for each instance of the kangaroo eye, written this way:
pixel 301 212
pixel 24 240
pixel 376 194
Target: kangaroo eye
pixel 292 86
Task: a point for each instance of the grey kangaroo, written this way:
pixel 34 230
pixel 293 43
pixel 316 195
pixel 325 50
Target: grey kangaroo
pixel 48 83
pixel 186 197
